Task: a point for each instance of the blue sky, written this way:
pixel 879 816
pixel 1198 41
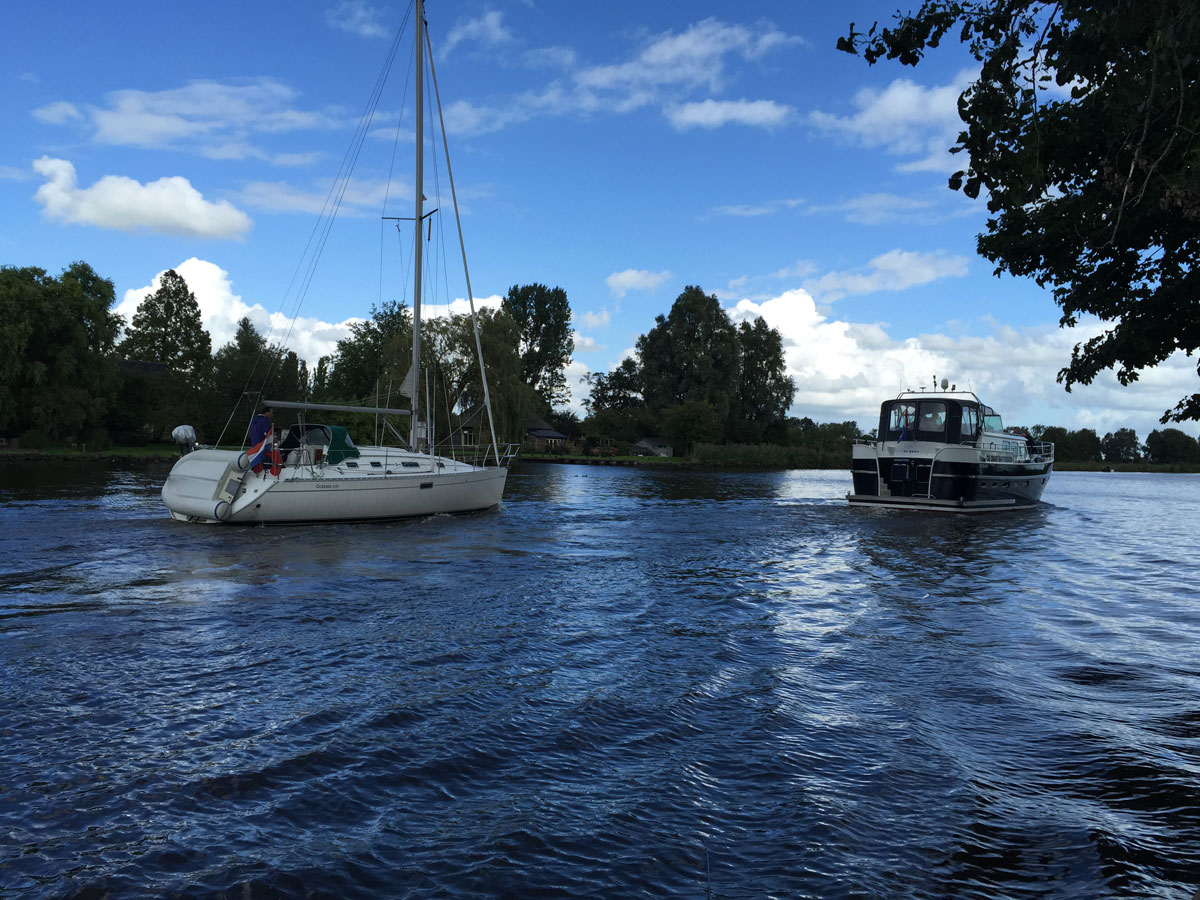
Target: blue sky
pixel 619 150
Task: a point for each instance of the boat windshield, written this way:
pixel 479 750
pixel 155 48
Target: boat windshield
pixel 992 420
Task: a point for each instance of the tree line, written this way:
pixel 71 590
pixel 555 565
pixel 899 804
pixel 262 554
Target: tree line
pixel 73 372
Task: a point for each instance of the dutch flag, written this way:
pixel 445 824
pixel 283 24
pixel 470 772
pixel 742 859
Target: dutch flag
pixel 258 451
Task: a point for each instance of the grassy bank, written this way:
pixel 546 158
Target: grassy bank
pixel 149 453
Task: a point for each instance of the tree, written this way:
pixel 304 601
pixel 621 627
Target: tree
pixel 691 354
pixel 1083 130
pixel 59 373
pixel 1121 446
pixel 691 422
pixel 764 392
pixel 512 398
pixel 167 329
pixel 1172 446
pixel 619 389
pixel 375 358
pixel 543 320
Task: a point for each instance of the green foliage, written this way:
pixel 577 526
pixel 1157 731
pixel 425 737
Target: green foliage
pixel 764 392
pixel 58 372
pixel 1121 446
pixel 1172 446
pixel 699 379
pixel 543 321
pixel 690 422
pixel 1070 446
pixel 513 399
pixel 691 354
pixel 1093 189
pixel 620 389
pixel 167 329
pixel 371 363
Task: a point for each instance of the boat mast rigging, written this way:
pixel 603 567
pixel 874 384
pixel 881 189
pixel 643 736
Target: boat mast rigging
pixel 418 217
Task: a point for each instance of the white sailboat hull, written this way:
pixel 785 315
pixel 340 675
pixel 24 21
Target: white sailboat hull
pixel 207 486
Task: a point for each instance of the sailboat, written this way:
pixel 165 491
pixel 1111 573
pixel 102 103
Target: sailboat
pixel 317 473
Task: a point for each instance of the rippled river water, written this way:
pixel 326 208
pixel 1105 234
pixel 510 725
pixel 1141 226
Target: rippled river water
pixel 623 683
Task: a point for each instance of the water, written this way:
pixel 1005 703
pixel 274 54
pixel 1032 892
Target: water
pixel 624 683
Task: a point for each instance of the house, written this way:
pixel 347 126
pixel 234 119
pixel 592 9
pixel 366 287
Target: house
pixel 652 446
pixel 542 438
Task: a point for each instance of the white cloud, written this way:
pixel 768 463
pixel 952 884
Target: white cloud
pixel 356 17
pixel 715 113
pixel 221 310
pixel 12 173
pixel 753 210
pixel 166 206
pixel 661 74
pixel 585 344
pixel 895 270
pixel 361 197
pixel 844 370
pixel 878 209
pixel 906 119
pixel 693 58
pixel 596 320
pixel 459 306
pixel 488 29
pixel 621 283
pixel 217 119
pixel 57 113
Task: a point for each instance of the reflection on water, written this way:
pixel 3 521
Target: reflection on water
pixel 623 682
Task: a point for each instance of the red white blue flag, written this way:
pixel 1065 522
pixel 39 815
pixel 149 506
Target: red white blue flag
pixel 258 451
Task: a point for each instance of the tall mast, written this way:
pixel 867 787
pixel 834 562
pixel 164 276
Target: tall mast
pixel 418 184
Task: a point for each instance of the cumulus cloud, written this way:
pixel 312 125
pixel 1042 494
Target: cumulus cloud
pixel 356 17
pixel 715 113
pixel 166 206
pixel 221 309
pixel 621 283
pixel 905 119
pixel 895 270
pixel 460 306
pixel 844 370
pixel 596 320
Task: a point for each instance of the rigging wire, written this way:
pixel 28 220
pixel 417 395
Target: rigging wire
pixel 319 236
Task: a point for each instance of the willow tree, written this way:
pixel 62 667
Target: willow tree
pixel 1083 131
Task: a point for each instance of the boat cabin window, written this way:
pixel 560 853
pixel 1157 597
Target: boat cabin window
pixel 992 420
pixel 902 421
pixel 932 421
pixel 970 422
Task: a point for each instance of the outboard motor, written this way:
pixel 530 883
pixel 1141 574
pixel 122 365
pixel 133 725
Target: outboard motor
pixel 185 437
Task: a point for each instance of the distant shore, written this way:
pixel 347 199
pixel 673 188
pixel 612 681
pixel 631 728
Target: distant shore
pixel 163 453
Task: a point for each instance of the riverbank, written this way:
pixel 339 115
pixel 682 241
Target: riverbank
pixel 167 453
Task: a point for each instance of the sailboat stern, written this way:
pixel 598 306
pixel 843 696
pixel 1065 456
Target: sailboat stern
pixel 202 485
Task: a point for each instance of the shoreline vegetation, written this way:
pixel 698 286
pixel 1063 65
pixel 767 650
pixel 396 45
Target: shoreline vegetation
pixel 707 456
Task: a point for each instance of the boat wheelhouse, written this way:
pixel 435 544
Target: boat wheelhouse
pixel 946 450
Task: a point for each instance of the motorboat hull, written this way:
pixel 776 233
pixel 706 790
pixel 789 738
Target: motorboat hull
pixel 949 479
